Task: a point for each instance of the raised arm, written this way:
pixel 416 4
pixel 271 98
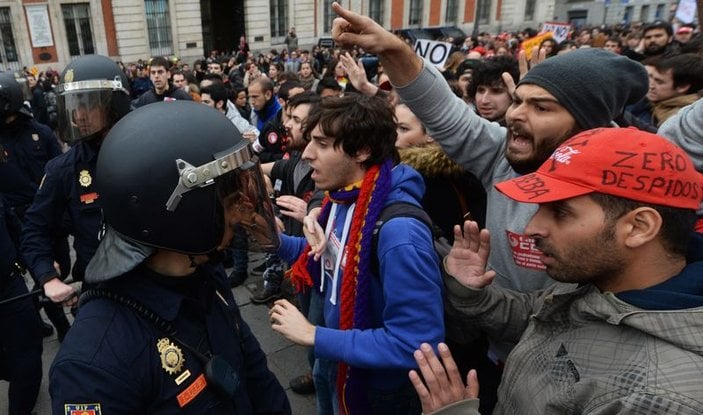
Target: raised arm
pixel 399 60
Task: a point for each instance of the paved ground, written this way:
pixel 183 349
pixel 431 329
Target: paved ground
pixel 285 359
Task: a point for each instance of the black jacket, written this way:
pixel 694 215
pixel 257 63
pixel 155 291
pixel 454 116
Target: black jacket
pixel 172 93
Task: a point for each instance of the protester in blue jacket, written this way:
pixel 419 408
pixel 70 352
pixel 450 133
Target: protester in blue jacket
pixel 382 294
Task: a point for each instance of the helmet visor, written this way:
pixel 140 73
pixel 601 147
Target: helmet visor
pixel 247 208
pixel 82 114
pixel 241 194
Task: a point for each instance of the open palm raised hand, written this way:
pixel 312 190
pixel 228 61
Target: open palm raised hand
pixel 467 259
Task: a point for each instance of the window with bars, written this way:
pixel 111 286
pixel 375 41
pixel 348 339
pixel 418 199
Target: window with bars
pixel 327 16
pixel 659 11
pixel 451 13
pixel 484 11
pixel 158 24
pixel 8 51
pixel 376 11
pixel 76 18
pixel 279 19
pixel 530 10
pixel 415 12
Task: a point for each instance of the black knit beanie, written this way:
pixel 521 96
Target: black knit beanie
pixel 594 85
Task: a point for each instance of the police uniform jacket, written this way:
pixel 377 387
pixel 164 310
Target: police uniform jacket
pixel 28 146
pixel 116 361
pixel 21 342
pixel 8 255
pixel 66 201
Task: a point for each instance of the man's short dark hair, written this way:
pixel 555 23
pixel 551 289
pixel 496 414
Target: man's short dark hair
pixel 677 224
pixel 214 77
pixel 328 82
pixel 217 92
pixel 357 122
pixel 615 39
pixel 490 73
pixel 284 89
pixel 218 63
pixel 658 24
pixel 307 97
pixel 160 61
pixel 686 69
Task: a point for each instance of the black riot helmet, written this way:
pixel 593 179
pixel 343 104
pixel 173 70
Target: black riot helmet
pixel 93 94
pixel 176 175
pixel 11 97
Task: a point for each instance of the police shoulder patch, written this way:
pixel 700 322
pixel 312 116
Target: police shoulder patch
pixel 82 409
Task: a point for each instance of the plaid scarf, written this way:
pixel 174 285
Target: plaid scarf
pixel 354 296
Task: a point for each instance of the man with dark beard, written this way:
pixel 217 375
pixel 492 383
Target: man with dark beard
pixel 616 209
pixel 658 37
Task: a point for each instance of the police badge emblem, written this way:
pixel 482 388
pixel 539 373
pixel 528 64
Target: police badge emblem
pixel 84 178
pixel 171 356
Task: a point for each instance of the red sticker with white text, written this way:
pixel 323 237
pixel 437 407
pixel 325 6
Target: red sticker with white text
pixel 525 253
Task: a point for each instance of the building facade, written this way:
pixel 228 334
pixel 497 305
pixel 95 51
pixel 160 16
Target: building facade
pixel 613 12
pixel 49 33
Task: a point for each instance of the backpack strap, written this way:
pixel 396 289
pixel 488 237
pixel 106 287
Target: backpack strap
pixel 396 210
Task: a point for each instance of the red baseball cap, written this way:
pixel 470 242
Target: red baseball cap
pixel 624 162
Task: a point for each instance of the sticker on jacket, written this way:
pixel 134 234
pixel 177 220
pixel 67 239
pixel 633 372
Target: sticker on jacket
pixel 525 253
pixel 192 391
pixel 82 409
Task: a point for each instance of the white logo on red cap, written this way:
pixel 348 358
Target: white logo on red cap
pixel 563 154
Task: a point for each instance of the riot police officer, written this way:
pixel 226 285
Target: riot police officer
pixel 92 95
pixel 28 145
pixel 160 331
pixel 21 342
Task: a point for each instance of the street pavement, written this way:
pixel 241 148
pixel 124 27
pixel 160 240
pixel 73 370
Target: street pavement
pixel 285 359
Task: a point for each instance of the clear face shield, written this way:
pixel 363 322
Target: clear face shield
pixel 84 108
pixel 24 85
pixel 241 191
